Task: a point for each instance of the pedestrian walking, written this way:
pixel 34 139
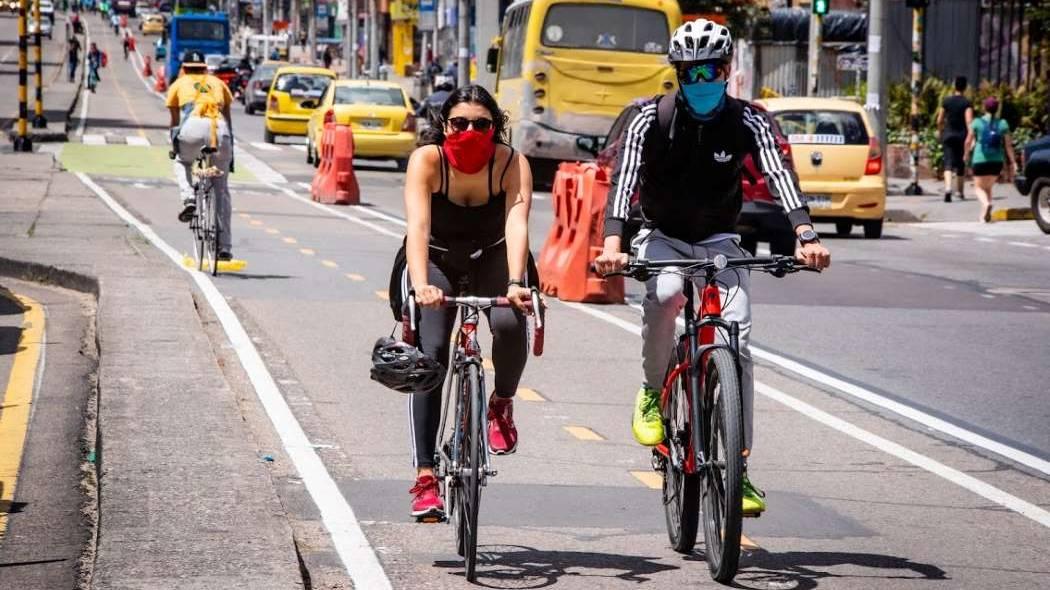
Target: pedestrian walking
pixel 127 45
pixel 326 57
pixel 990 146
pixel 73 57
pixel 114 21
pixel 953 121
pixel 94 64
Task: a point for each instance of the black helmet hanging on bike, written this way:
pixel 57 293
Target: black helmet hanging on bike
pixel 403 367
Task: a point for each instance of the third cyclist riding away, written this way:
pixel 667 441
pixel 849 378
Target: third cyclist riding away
pixel 685 153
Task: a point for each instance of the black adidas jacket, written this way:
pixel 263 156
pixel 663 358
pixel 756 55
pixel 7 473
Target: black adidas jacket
pixel 689 172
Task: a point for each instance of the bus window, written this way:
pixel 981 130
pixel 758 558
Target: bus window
pixel 200 30
pixel 612 28
pixel 514 43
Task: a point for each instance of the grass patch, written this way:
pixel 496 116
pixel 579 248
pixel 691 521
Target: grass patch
pixel 127 161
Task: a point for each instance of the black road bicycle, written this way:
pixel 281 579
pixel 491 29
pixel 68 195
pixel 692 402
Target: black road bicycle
pixel 205 221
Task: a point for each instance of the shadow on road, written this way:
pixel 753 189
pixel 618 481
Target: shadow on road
pixel 515 566
pixel 805 570
pixel 9 337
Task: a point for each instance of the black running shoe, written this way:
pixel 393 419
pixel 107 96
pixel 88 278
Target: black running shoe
pixel 187 212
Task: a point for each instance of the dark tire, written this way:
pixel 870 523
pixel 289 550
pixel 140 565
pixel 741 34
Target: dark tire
pixel 402 164
pixel 248 108
pixel 269 137
pixel 873 229
pixel 681 490
pixel 1041 205
pixel 723 482
pixel 309 152
pixel 469 488
pixel 215 231
pixel 843 228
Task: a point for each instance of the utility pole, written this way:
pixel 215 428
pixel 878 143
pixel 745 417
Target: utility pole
pixel 463 53
pixel 353 39
pixel 918 10
pixel 39 121
pixel 266 28
pixel 311 31
pixel 816 21
pixel 875 102
pixel 22 142
pixel 373 40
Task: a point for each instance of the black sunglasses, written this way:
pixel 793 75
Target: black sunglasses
pixel 461 124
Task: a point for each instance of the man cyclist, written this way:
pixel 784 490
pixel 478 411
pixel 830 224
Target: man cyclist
pixel 685 152
pixel 199 105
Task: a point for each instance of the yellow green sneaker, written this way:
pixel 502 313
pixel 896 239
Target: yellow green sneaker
pixel 647 424
pixel 754 505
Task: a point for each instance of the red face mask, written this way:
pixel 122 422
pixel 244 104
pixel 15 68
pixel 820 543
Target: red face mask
pixel 468 151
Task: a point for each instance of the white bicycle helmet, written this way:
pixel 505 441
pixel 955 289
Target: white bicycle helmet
pixel 700 40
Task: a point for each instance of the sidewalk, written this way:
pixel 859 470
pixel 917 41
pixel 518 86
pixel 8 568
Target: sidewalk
pixel 930 206
pixel 185 499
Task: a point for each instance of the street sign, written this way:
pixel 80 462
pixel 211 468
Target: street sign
pixel 427 16
pixel 851 62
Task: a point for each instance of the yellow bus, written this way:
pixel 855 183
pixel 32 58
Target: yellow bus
pixel 566 68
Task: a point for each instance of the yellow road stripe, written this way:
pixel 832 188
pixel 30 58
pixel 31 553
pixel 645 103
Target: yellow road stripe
pixel 583 433
pixel 244 215
pixel 255 222
pixel 353 276
pixel 329 264
pixel 17 401
pixel 651 479
pixel 383 295
pixel 307 251
pixel 290 240
pixel 530 395
pixel 748 543
pixel 272 231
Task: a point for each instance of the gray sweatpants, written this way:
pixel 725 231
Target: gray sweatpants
pixel 194 134
pixel 664 301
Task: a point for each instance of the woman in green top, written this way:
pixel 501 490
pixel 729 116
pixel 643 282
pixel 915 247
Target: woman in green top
pixel 990 146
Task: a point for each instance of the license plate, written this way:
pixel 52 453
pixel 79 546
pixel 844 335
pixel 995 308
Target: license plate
pixel 371 123
pixel 819 201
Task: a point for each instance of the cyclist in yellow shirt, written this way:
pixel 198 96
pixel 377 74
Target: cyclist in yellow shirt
pixel 199 105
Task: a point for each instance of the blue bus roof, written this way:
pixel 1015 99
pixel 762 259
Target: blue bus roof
pixel 215 16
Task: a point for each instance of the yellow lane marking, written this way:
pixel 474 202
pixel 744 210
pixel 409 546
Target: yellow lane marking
pixel 329 264
pixel 290 240
pixel 17 401
pixel 748 543
pixel 244 215
pixel 583 433
pixel 307 251
pixel 256 222
pixel 383 295
pixel 530 395
pixel 487 365
pixel 272 231
pixel 651 479
pixel 353 276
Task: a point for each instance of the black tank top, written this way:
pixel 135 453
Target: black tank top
pixel 482 225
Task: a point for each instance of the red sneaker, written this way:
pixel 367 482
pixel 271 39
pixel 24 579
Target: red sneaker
pixel 503 436
pixel 427 502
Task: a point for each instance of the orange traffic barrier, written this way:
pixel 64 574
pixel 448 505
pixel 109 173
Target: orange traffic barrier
pixel 576 239
pixel 335 182
pixel 147 66
pixel 160 84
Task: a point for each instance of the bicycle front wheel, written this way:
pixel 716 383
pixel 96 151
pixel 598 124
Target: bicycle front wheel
pixel 681 490
pixel 471 468
pixel 213 223
pixel 723 476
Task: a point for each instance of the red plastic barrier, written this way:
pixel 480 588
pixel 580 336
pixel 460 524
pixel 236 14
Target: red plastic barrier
pixel 147 67
pixel 576 239
pixel 335 182
pixel 160 83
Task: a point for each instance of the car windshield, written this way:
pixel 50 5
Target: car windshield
pixel 265 72
pixel 825 127
pixel 311 85
pixel 387 97
pixel 600 26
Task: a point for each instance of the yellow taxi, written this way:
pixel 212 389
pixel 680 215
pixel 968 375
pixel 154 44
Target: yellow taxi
pixel 294 94
pixel 838 160
pixel 379 113
pixel 152 24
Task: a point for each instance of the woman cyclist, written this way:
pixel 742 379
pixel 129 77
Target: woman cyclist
pixel 467 200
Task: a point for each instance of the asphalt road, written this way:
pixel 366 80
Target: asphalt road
pixel 952 321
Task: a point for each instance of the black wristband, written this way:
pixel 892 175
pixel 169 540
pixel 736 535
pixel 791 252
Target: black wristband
pixel 515 283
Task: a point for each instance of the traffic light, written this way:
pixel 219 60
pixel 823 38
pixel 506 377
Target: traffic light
pixel 820 7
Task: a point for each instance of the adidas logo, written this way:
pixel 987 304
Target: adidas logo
pixel 722 157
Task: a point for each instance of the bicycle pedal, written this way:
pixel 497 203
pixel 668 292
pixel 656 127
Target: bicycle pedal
pixel 431 519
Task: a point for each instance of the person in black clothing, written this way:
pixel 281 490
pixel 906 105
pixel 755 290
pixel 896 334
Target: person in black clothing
pixel 430 108
pixel 73 57
pixel 467 200
pixel 953 121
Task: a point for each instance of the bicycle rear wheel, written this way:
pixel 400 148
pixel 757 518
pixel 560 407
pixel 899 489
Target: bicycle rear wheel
pixel 214 224
pixel 681 490
pixel 469 489
pixel 722 480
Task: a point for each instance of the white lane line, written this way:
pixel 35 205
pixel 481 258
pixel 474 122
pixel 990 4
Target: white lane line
pixel 258 168
pixel 1023 244
pixel 298 147
pixel 347 537
pixel 986 240
pixel 136 140
pixel 84 92
pixel 949 236
pixel 266 147
pixel 93 139
pixel 919 460
pixel 377 228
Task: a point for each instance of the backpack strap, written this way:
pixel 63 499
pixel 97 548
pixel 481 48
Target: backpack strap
pixel 667 115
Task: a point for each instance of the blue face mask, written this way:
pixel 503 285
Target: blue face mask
pixel 705 99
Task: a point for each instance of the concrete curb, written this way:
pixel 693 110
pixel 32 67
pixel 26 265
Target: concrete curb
pixel 1012 214
pixel 902 216
pixel 48 275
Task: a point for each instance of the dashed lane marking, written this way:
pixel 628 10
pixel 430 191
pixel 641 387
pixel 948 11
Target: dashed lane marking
pixel 244 215
pixel 94 139
pixel 307 251
pixel 651 479
pixel 529 395
pixel 353 276
pixel 136 140
pixel 382 294
pixel 583 433
pixel 986 240
pixel 1023 244
pixel 289 240
pixel 747 543
pixel 256 222
pixel 329 264
pixel 273 231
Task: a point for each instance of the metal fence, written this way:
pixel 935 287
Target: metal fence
pixel 781 68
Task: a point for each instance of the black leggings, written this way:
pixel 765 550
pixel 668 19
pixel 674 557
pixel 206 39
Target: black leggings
pixel 509 342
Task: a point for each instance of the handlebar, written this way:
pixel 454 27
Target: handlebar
pixel 777 266
pixel 535 305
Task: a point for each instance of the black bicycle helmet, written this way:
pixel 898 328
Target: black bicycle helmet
pixel 403 367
